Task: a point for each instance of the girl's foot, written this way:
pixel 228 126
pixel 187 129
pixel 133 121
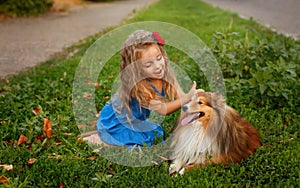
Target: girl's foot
pixel 93 139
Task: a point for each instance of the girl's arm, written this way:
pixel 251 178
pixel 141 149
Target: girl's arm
pixel 179 92
pixel 172 106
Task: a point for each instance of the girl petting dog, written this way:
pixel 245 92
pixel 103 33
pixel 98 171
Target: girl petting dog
pixel 147 84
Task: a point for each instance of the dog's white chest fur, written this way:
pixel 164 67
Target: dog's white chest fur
pixel 191 145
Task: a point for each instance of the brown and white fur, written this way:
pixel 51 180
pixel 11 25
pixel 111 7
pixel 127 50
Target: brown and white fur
pixel 211 132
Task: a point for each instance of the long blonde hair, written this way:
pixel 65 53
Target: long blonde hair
pixel 133 83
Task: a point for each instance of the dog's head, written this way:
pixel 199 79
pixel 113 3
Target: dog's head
pixel 202 107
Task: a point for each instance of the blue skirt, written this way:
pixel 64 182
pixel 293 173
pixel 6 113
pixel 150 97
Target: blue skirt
pixel 114 128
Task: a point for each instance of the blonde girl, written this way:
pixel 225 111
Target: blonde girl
pixel 147 84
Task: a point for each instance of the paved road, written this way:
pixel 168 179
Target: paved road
pixel 281 15
pixel 26 42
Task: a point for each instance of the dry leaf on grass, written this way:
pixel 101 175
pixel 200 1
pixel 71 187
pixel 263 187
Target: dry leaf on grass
pixel 54 155
pixel 47 129
pixel 93 122
pixel 39 138
pixel 97 150
pixel 22 139
pixel 87 95
pixel 57 143
pixel 31 161
pixel 4 180
pixel 36 111
pixel 67 134
pixel 29 147
pixel 91 158
pixel 111 170
pixel 7 167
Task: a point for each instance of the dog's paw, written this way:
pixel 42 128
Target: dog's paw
pixel 172 169
pixel 181 172
pixel 175 168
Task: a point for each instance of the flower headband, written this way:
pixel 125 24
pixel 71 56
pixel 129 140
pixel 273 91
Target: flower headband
pixel 160 40
pixel 142 36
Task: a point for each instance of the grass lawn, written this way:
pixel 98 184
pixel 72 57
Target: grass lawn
pixel 261 71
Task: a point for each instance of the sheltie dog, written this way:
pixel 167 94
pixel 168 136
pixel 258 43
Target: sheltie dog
pixel 211 132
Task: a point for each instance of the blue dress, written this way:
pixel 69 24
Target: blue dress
pixel 114 129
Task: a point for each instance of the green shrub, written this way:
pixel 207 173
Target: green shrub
pixel 24 7
pixel 266 68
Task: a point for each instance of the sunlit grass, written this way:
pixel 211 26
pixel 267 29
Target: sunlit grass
pixel 65 160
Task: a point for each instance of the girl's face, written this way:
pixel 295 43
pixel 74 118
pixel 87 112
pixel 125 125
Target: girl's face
pixel 152 62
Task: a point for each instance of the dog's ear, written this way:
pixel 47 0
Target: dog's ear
pixel 217 95
pixel 199 91
pixel 218 101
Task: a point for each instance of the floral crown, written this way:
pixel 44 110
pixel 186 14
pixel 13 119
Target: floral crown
pixel 142 36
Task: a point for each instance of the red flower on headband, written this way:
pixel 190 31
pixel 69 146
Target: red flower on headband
pixel 158 38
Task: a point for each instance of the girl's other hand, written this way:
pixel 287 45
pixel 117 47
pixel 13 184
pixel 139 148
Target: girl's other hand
pixel 193 91
pixel 190 94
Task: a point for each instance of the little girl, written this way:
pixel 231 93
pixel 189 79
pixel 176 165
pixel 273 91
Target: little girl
pixel 147 83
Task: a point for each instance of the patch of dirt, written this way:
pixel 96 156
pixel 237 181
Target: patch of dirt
pixel 67 2
pixel 64 5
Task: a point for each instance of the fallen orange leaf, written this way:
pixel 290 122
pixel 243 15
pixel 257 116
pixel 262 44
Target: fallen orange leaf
pixel 111 170
pixel 29 147
pixel 96 84
pixel 87 95
pixel 39 138
pixel 93 122
pixel 31 161
pixel 47 130
pixel 61 184
pixel 91 158
pixel 23 139
pixel 36 111
pixel 4 180
pixel 11 142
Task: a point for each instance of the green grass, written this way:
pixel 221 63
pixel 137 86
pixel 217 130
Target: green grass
pixel 244 50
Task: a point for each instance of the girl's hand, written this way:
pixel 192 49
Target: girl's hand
pixel 188 97
pixel 165 108
pixel 193 92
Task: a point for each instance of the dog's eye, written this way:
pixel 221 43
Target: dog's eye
pixel 201 114
pixel 199 102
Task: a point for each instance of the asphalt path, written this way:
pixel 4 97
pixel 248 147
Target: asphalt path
pixel 26 42
pixel 280 15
